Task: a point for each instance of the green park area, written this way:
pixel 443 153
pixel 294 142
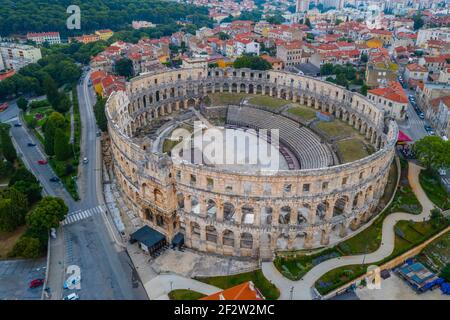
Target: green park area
pixel 352 150
pixel 224 98
pixel 434 189
pixel 407 235
pixel 184 294
pixel 304 113
pixel 336 128
pixel 51 122
pixel 25 217
pixel 266 101
pixel 268 290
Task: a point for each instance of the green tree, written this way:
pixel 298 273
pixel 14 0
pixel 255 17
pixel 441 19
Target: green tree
pixel 445 273
pixel 223 36
pixel 99 112
pixel 30 189
pixel 64 103
pixel 433 152
pixel 418 21
pixel 7 147
pixel 51 90
pixel 326 69
pixel 47 214
pixel 62 148
pixel 124 67
pixel 364 58
pixel 54 121
pixel 364 89
pixel 13 207
pixel 22 103
pixel 308 23
pixel 252 62
pixel 27 247
pixel 22 174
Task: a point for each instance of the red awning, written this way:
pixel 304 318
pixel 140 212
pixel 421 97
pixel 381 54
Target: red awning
pixel 402 137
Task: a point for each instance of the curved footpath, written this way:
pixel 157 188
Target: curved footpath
pixel 302 289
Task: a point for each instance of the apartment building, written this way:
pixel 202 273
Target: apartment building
pixel 16 56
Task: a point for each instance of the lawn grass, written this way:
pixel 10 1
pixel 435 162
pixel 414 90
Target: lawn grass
pixel 224 98
pixel 303 112
pixel 352 150
pixel 336 128
pixel 168 145
pixel 270 102
pixel 184 294
pixel 434 189
pixel 407 235
pixel 294 267
pixel 268 290
pixel 9 239
pixel 437 254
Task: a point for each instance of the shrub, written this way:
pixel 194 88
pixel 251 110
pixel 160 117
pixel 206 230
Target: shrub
pixel 26 247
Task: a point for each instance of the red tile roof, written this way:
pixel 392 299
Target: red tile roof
pixel 244 291
pixel 393 92
pixel 7 74
pixel 416 68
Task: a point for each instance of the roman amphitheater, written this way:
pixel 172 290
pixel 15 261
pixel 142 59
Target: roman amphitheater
pixel 321 193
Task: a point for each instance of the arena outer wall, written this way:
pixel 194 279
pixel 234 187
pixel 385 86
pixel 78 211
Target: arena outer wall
pixel 322 205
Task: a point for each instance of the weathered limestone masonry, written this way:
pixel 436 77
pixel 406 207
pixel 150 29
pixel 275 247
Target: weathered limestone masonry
pixel 291 209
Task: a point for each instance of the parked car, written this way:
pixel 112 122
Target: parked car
pixel 17 124
pixel 72 296
pixel 421 115
pixel 85 160
pixel 36 283
pixel 53 233
pixel 428 128
pixel 31 144
pixel 42 162
pixel 54 179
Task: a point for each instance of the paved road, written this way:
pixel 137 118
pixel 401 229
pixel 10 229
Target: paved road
pixel 301 290
pixel 414 126
pixel 91 243
pixel 15 276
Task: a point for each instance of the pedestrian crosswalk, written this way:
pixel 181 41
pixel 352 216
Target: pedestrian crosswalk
pixel 446 181
pixel 82 214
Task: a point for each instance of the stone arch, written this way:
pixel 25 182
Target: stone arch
pixel 247 215
pixel 195 205
pixel 195 230
pixel 321 210
pixel 285 215
pixel 228 238
pixel 180 200
pixel 228 211
pixel 266 215
pixel 211 208
pixel 340 205
pixel 211 234
pixel 282 241
pixel 303 213
pixel 148 215
pixel 157 195
pixel 246 240
pixel 191 103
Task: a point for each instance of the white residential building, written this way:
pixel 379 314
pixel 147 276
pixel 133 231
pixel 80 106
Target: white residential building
pixel 44 37
pixel 432 34
pixel 247 46
pixel 16 56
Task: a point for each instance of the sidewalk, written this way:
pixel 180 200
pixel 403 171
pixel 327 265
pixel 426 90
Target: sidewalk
pixel 56 267
pixel 302 289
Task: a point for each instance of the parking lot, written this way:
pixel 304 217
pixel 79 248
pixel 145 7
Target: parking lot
pixel 15 276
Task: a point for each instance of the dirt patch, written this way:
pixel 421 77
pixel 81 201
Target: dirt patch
pixel 9 239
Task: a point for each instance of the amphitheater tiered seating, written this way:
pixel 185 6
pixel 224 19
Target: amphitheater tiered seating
pixel 306 145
